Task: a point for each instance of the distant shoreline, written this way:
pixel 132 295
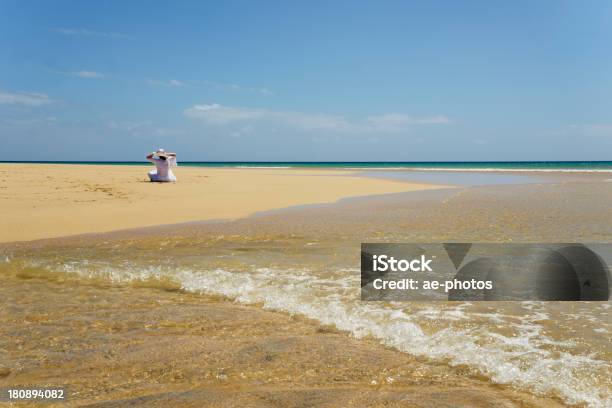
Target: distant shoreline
pixel 480 166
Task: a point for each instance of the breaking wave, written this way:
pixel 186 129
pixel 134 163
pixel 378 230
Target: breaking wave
pixel 529 359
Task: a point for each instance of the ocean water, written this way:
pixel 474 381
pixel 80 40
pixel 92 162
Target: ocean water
pixel 557 349
pixel 512 166
pixel 306 262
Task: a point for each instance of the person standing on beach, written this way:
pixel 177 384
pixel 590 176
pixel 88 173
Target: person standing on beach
pixel 163 162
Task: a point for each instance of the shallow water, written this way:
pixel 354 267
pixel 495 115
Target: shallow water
pixel 305 261
pixel 460 178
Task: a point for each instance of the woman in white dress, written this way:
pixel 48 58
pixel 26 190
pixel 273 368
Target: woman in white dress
pixel 163 161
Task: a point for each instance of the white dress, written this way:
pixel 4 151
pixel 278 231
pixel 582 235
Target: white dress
pixel 163 170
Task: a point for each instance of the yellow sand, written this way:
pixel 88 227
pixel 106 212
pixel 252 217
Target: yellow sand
pixel 51 200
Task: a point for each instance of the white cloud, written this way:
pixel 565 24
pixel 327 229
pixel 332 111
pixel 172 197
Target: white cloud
pixel 171 82
pixel 25 98
pixel 235 87
pixel 394 120
pixel 87 33
pixel 81 74
pixel 212 84
pixel 263 91
pixel 216 114
pixel 220 115
pixel 88 74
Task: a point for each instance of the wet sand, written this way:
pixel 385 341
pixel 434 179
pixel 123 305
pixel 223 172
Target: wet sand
pixel 121 346
pixel 150 342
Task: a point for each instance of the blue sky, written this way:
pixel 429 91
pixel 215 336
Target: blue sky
pixel 272 80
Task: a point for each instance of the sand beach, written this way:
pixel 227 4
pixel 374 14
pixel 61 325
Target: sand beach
pixel 53 200
pixel 261 306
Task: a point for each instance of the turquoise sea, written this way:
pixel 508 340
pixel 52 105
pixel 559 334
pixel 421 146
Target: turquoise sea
pixel 571 166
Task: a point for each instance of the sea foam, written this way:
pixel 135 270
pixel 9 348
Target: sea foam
pixel 522 361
